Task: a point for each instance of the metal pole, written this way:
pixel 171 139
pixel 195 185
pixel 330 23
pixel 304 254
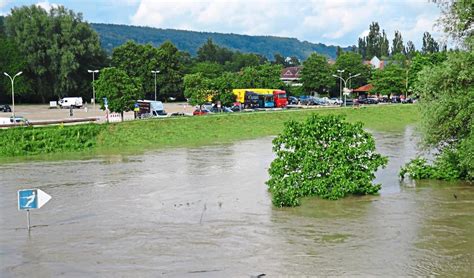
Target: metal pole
pixel 28 219
pixel 93 88
pixel 155 86
pixel 13 98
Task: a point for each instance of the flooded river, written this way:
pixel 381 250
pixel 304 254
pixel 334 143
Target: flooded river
pixel 206 212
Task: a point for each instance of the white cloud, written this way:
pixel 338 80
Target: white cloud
pixel 338 21
pixel 46 5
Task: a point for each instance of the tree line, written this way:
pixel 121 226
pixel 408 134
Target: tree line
pixel 56 49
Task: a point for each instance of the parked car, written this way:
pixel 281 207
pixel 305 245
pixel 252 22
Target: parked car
pixel 303 100
pixel 350 102
pixel 368 101
pixel 335 101
pixel 5 108
pixel 223 109
pixel 200 112
pixel 396 99
pixel 293 100
pixel 14 120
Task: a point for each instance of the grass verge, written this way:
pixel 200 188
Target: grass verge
pixel 137 136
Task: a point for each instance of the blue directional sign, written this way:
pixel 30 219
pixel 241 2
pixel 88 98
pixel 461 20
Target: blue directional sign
pixel 32 199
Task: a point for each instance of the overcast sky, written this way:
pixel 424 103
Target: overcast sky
pixel 338 22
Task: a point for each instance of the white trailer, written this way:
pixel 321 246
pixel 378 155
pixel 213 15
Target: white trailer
pixel 68 102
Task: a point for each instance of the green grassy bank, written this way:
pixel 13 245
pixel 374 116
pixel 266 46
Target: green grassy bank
pixel 187 131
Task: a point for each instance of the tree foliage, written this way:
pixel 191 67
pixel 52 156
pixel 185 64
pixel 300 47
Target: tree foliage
pixel 323 156
pixel 429 44
pixel 352 64
pixel 58 48
pixel 121 91
pixel 316 74
pixel 390 80
pixel 446 94
pixel 458 21
pixel 397 43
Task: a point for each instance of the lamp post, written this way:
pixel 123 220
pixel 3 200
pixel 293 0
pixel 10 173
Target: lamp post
pixel 155 72
pixel 13 91
pixel 345 82
pixel 93 88
pixel 340 84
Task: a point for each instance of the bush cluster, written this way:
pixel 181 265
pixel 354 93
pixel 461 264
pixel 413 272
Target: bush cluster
pixel 323 156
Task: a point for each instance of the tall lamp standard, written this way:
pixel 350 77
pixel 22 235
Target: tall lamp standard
pixel 93 79
pixel 345 82
pixel 340 83
pixel 13 90
pixel 155 72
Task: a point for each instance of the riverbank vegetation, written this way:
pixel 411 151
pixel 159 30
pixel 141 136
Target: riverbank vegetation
pixel 446 100
pixel 136 136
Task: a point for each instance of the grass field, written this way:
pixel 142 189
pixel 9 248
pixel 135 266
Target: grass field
pixel 137 136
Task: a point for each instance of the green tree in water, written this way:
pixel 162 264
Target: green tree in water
pixel 323 156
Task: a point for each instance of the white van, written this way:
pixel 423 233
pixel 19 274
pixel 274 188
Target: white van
pixel 68 102
pixel 151 108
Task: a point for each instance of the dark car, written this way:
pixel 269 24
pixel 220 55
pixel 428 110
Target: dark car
pixel 304 100
pixel 396 99
pixel 293 100
pixel 368 101
pixel 5 108
pixel 349 102
pixel 223 109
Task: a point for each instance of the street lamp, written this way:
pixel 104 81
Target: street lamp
pixel 155 72
pixel 13 91
pixel 345 82
pixel 340 84
pixel 93 79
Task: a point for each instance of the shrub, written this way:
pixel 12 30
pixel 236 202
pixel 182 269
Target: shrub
pixel 323 156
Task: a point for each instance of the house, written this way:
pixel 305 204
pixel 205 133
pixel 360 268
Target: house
pixel 363 90
pixel 291 76
pixel 376 63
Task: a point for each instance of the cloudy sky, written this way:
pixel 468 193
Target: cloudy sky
pixel 338 22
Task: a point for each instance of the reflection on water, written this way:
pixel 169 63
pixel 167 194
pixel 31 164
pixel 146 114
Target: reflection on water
pixel 207 212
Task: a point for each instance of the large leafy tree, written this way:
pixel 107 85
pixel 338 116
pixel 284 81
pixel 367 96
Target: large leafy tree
pixel 171 71
pixel 137 61
pixel 322 156
pixel 58 48
pixel 12 61
pixel 316 74
pixel 196 88
pixel 352 64
pixel 263 76
pixel 410 50
pixel 390 80
pixel 121 91
pixel 457 20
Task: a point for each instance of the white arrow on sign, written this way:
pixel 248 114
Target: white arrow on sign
pixel 43 198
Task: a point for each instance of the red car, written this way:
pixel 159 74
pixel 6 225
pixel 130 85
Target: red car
pixel 200 112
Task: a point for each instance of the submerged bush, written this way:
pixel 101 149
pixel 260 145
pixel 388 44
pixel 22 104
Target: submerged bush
pixel 323 156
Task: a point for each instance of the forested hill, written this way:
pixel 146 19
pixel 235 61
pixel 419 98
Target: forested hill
pixel 113 35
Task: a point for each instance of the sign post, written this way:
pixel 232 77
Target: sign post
pixel 31 199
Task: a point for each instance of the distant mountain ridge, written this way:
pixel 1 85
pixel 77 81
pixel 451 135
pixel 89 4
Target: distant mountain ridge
pixel 113 35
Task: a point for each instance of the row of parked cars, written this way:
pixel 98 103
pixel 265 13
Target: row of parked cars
pixel 310 100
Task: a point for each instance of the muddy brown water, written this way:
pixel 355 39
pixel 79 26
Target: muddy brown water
pixel 206 212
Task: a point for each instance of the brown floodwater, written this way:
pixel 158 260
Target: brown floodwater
pixel 206 212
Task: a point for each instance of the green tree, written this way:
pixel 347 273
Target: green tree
pixel 12 61
pixel 137 61
pixel 223 86
pixel 208 69
pixel 316 74
pixel 279 60
pixel 429 44
pixel 390 80
pixel 446 94
pixel 58 47
pixel 384 45
pixel 171 72
pixel 457 21
pixel 195 87
pixel 352 64
pixel 410 49
pixel 242 60
pixel 397 44
pixel 121 91
pixel 362 48
pixel 323 156
pixel 373 41
pixel 263 76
